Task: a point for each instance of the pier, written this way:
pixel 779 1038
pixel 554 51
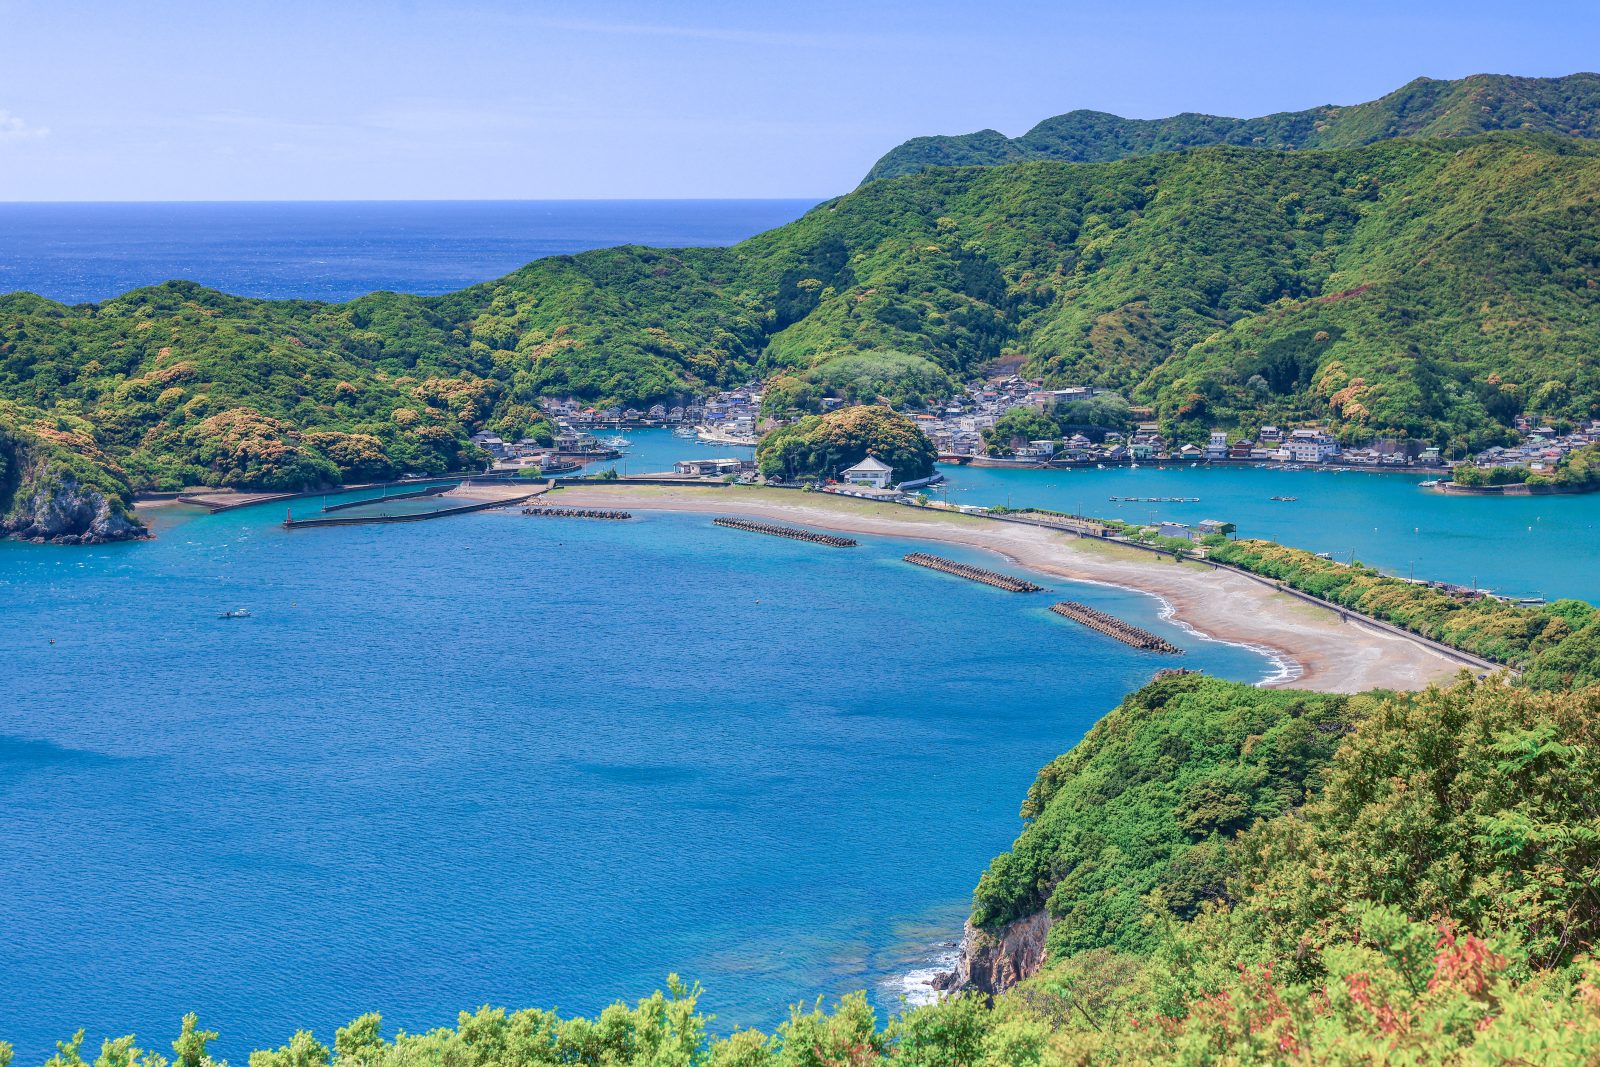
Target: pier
pixel 796 533
pixel 973 574
pixel 1156 499
pixel 432 490
pixel 1112 626
pixel 478 494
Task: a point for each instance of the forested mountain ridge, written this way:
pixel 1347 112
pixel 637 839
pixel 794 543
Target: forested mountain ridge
pixel 1428 287
pixel 1425 107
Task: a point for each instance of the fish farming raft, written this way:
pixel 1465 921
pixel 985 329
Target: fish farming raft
pixel 975 574
pixel 577 513
pixel 1112 626
pixel 786 531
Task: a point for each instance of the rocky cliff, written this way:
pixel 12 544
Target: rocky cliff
pixel 992 963
pixel 42 499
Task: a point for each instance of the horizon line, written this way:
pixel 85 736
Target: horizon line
pixel 436 200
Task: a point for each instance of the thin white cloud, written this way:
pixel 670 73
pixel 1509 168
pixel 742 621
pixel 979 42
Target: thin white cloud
pixel 15 128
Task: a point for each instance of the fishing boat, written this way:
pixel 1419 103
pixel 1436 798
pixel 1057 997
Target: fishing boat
pixel 236 613
pixel 620 443
pixel 1431 483
pixel 685 431
pixel 1286 499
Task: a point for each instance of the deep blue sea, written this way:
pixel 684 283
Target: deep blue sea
pixel 495 759
pixel 339 250
pixel 530 762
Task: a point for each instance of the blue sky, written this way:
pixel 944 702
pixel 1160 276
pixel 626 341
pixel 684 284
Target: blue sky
pixel 470 99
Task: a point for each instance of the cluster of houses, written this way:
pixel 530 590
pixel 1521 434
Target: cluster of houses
pixel 956 427
pixel 1542 449
pixel 736 410
pixel 1311 446
pixel 575 413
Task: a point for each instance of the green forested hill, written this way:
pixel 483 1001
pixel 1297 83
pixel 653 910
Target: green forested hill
pixel 1430 287
pixel 1426 107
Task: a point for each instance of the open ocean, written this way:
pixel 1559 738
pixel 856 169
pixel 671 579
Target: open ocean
pixel 493 759
pixel 339 250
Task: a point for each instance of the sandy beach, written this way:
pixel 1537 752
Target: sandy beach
pixel 1317 648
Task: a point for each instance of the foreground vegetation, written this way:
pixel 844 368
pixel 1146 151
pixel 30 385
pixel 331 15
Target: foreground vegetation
pixel 1235 876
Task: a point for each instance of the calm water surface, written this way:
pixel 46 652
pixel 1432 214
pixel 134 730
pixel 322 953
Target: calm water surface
pixel 507 760
pixel 1523 546
pixel 532 762
pixel 340 250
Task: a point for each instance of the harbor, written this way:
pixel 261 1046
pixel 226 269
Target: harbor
pixel 462 499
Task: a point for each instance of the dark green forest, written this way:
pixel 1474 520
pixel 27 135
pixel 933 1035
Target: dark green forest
pixel 1426 107
pixel 1423 287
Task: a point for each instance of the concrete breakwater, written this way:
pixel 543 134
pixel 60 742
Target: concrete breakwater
pixel 292 523
pixel 577 513
pixel 974 574
pixel 432 490
pixel 1112 626
pixel 775 530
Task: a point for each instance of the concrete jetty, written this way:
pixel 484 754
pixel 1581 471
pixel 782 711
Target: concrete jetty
pixel 974 574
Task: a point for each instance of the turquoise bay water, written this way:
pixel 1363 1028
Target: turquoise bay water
pixel 507 760
pixel 1522 546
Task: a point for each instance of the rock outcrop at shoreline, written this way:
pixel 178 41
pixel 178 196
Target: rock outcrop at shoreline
pixel 991 963
pixel 45 501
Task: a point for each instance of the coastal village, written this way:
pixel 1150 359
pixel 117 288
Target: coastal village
pixel 962 431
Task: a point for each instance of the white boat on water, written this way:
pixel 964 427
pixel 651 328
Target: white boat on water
pixel 685 431
pixel 620 443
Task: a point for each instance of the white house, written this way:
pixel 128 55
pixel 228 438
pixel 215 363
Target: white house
pixel 1217 446
pixel 870 471
pixel 1310 446
pixel 704 468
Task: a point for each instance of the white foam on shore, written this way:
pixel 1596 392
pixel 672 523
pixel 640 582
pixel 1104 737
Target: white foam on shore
pixel 915 987
pixel 1284 669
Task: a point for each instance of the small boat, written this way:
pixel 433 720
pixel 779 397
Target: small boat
pixel 1431 483
pixel 685 431
pixel 618 442
pixel 1287 499
pixel 236 613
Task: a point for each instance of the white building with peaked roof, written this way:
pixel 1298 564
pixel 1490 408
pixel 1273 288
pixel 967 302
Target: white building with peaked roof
pixel 870 471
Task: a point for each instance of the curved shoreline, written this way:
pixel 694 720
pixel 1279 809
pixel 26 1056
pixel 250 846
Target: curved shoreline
pixel 1332 654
